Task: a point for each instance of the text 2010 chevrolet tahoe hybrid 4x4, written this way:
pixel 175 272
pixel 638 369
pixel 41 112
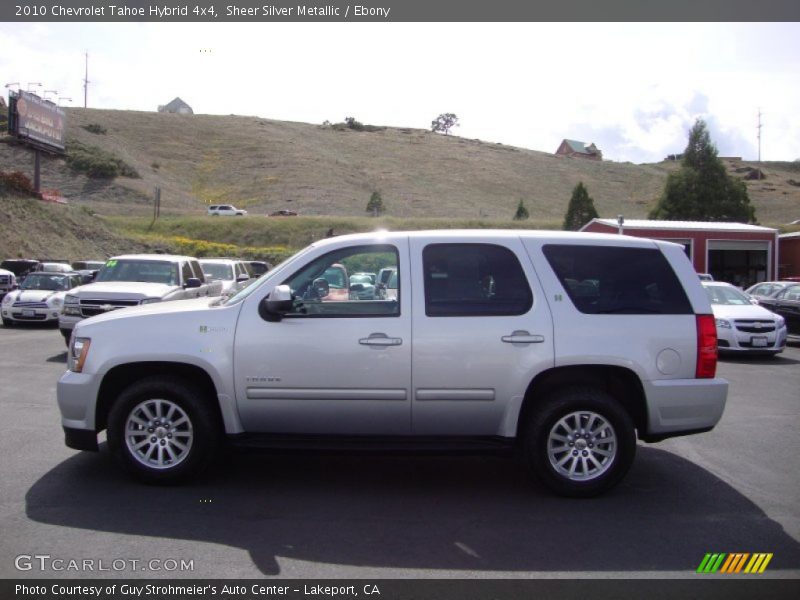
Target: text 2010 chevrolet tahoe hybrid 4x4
pixel 564 346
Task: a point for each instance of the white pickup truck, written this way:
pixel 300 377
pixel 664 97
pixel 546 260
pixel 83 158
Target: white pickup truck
pixel 566 347
pixel 136 279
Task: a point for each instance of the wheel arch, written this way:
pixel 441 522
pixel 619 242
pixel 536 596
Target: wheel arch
pixel 621 383
pixel 121 376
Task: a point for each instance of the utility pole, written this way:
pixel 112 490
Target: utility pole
pixel 759 135
pixel 86 83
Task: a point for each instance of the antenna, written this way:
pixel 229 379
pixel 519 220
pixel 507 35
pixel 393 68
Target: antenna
pixel 86 82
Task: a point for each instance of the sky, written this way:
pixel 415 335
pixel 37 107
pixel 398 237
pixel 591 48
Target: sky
pixel 633 89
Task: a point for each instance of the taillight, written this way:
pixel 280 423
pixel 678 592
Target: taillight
pixel 706 347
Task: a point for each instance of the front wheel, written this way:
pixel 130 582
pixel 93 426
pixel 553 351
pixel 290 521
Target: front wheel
pixel 580 443
pixel 163 430
pixel 8 323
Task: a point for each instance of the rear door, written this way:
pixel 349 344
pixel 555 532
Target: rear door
pixel 481 328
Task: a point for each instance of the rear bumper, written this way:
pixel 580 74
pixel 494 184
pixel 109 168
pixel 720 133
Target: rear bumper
pixel 683 406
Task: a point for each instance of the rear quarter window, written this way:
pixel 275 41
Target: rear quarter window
pixel 617 280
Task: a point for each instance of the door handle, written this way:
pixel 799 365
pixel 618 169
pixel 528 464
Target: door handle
pixel 380 340
pixel 522 337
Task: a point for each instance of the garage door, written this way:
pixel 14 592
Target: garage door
pixel 739 262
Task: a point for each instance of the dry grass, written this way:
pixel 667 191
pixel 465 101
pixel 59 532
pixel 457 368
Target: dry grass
pixel 265 165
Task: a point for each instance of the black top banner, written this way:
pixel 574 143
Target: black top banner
pixel 400 10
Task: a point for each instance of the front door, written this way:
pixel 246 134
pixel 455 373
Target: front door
pixel 337 364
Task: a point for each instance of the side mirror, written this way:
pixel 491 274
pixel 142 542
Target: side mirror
pixel 277 304
pixel 242 277
pixel 321 287
pixel 192 282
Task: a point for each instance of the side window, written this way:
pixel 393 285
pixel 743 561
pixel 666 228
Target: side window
pixel 186 272
pixel 616 280
pixel 323 288
pixel 472 280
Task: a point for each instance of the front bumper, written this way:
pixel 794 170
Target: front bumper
pixel 734 341
pixel 77 396
pixel 683 406
pixel 68 322
pixel 30 315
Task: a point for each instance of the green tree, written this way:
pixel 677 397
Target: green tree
pixel 581 209
pixel 375 205
pixel 701 190
pixel 444 123
pixel 522 212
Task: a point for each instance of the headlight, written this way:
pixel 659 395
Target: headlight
pixel 780 321
pixel 78 351
pixel 150 300
pixel 55 302
pixel 7 299
pixel 70 299
pixel 723 323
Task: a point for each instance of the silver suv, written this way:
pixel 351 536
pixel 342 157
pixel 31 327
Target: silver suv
pixel 566 347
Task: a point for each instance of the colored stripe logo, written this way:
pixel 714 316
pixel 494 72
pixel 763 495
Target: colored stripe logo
pixel 737 562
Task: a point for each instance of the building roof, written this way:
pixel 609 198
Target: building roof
pixel 787 236
pixel 579 147
pixel 175 104
pixel 683 225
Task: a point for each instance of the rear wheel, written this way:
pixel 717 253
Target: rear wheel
pixel 581 442
pixel 163 430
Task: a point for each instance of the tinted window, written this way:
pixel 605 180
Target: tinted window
pixel 322 288
pixel 613 280
pixel 465 280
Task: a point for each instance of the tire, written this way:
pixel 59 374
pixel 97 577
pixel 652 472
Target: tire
pixel 560 429
pixel 8 323
pixel 179 408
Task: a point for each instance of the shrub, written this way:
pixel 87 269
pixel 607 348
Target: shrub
pixel 96 162
pixel 375 205
pixel 16 182
pixel 95 128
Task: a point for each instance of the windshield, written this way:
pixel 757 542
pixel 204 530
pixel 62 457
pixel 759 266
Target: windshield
pixel 726 295
pixel 217 270
pixel 150 271
pixel 52 283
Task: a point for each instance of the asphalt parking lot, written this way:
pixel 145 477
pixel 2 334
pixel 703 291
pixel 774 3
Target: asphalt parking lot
pixel 735 489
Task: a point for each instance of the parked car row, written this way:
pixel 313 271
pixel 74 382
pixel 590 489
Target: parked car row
pixel 759 320
pixel 63 293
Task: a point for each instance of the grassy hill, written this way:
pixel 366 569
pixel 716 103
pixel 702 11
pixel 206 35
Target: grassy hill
pixel 33 229
pixel 266 165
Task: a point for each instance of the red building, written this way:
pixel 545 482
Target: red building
pixel 735 252
pixel 789 255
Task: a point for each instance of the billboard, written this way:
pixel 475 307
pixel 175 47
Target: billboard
pixel 37 122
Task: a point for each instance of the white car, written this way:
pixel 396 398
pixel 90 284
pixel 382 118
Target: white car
pixel 227 270
pixel 741 325
pixel 225 210
pixel 39 298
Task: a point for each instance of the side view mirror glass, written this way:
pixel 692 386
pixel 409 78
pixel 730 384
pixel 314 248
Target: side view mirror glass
pixel 193 282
